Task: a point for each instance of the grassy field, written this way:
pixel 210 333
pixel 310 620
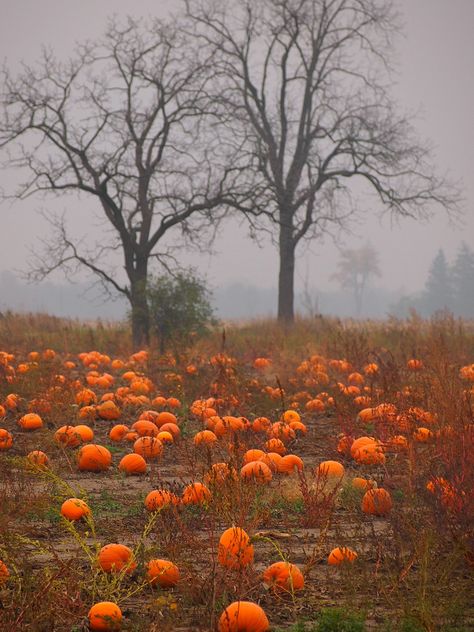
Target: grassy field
pixel 301 397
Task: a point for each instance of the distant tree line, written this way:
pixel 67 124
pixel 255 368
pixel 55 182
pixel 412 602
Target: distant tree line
pixel 448 287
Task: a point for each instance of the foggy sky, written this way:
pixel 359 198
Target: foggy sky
pixel 436 79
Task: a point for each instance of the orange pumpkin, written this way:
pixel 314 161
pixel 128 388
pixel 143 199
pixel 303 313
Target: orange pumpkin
pixel 115 558
pixel 4 573
pixel 261 363
pixel 253 455
pixel 204 437
pixel 171 428
pixel 86 397
pixel 235 550
pixel 37 457
pixel 30 421
pixel 195 494
pixel 289 463
pixel 6 439
pixel 283 575
pixel 341 555
pixel 165 437
pixel 362 483
pixel 160 498
pixel 94 458
pixel 358 443
pixel 243 616
pixel 377 502
pixel 298 426
pixel 145 428
pixel 166 418
pixel 85 432
pixel 108 410
pixel 75 509
pixel 220 472
pixel 105 616
pixel 118 432
pixel 132 464
pixel 256 470
pixel 148 447
pixel 291 415
pixel 369 454
pixel 330 469
pixel 162 573
pixel 87 412
pixel 67 436
pixel 261 424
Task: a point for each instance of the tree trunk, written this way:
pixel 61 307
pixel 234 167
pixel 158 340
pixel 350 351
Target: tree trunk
pixel 286 277
pixel 140 312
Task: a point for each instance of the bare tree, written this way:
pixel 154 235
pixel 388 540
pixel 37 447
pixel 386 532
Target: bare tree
pixel 125 123
pixel 302 87
pixel 355 268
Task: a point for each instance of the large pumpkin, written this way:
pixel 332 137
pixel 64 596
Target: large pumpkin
pixel 235 550
pixel 243 616
pixel 377 502
pixel 94 458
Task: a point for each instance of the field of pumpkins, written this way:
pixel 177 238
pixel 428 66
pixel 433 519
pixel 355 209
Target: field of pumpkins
pixel 316 480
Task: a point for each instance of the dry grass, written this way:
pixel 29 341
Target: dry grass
pixel 414 566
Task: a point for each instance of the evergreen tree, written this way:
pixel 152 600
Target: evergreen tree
pixel 438 293
pixel 463 282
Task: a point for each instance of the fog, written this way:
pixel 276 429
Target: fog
pixel 435 79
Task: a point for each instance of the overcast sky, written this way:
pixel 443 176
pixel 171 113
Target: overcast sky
pixel 436 79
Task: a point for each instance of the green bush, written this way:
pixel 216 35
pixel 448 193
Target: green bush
pixel 180 308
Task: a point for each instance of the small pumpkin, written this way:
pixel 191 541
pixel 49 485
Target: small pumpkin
pixel 195 494
pixel 113 558
pixel 105 616
pixel 6 439
pixel 108 410
pixel 158 498
pixel 4 573
pixel 30 421
pixel 162 573
pixel 204 437
pixel 37 457
pixel 283 575
pixel 341 555
pixel 117 433
pixel 67 436
pixel 75 509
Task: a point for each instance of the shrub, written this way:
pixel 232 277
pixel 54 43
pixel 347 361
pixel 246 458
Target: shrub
pixel 180 308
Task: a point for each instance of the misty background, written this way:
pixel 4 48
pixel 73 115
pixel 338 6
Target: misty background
pixel 434 80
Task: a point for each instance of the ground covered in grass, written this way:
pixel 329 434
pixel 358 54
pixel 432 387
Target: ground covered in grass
pixel 251 430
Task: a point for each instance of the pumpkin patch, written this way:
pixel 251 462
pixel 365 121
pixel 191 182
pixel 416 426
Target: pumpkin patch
pixel 196 492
